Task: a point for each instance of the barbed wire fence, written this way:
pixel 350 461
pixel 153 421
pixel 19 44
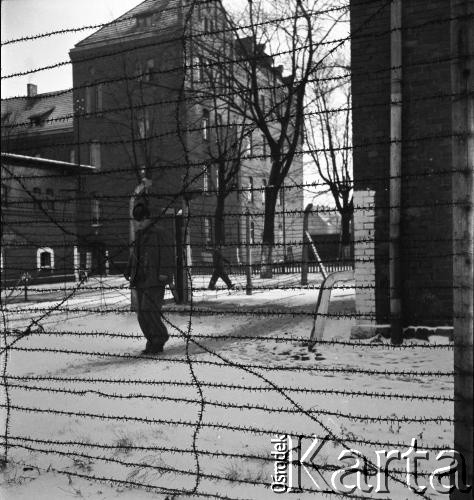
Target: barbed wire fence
pixel 236 381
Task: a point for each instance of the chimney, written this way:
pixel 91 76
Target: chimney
pixel 31 90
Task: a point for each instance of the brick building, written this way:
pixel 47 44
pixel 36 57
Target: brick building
pixel 149 92
pixel 39 219
pixel 140 112
pixel 425 206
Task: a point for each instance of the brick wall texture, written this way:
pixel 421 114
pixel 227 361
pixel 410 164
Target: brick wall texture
pixel 426 241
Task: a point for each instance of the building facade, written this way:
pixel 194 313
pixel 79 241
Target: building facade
pixel 39 219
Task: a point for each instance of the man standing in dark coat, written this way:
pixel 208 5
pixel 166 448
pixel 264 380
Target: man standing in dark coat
pixel 150 269
pixel 219 261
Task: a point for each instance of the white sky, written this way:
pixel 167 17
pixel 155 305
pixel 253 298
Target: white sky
pixel 28 17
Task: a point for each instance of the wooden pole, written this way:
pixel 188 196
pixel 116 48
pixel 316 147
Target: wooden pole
pixel 395 270
pixel 248 269
pixel 462 83
pixel 179 256
pixel 305 243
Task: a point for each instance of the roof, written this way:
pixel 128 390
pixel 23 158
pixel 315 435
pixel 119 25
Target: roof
pixel 163 14
pixel 40 113
pixel 36 162
pixel 326 222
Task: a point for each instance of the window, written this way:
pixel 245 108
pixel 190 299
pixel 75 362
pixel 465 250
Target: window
pixel 95 212
pixel 94 154
pixel 250 144
pixel 45 258
pixel 250 190
pixel 264 185
pixel 4 195
pixel 98 97
pixel 208 231
pixel 202 75
pixel 143 123
pixel 205 180
pixel 281 195
pixel 280 232
pixel 264 146
pixel 205 124
pixel 245 147
pixel 138 70
pixel 90 98
pixel 40 118
pixel 219 127
pixel 217 178
pixel 50 199
pixel 144 21
pixel 150 70
pixel 262 103
pixel 72 156
pixel 196 69
pixel 252 233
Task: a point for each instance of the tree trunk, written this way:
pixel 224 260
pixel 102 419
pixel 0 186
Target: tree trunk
pixel 219 227
pixel 268 238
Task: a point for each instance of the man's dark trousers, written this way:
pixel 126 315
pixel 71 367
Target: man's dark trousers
pixel 220 273
pixel 150 301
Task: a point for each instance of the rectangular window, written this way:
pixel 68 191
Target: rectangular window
pixel 250 190
pixel 90 98
pixel 150 70
pixel 205 180
pixel 4 195
pixel 208 231
pixel 95 212
pixel 205 124
pixel 217 178
pixel 98 98
pixel 264 146
pixel 196 69
pixel 143 123
pixel 264 185
pixel 219 127
pixel 281 195
pixel 138 70
pixel 245 147
pixel 280 232
pixel 94 154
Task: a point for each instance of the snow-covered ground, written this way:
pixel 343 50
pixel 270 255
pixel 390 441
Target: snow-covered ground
pixel 87 406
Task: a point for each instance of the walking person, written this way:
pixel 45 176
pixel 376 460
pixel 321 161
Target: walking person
pixel 150 269
pixel 219 261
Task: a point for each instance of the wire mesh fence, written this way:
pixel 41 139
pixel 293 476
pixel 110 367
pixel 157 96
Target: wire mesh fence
pixel 230 268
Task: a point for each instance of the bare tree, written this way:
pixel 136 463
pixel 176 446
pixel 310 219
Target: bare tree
pixel 273 97
pixel 328 136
